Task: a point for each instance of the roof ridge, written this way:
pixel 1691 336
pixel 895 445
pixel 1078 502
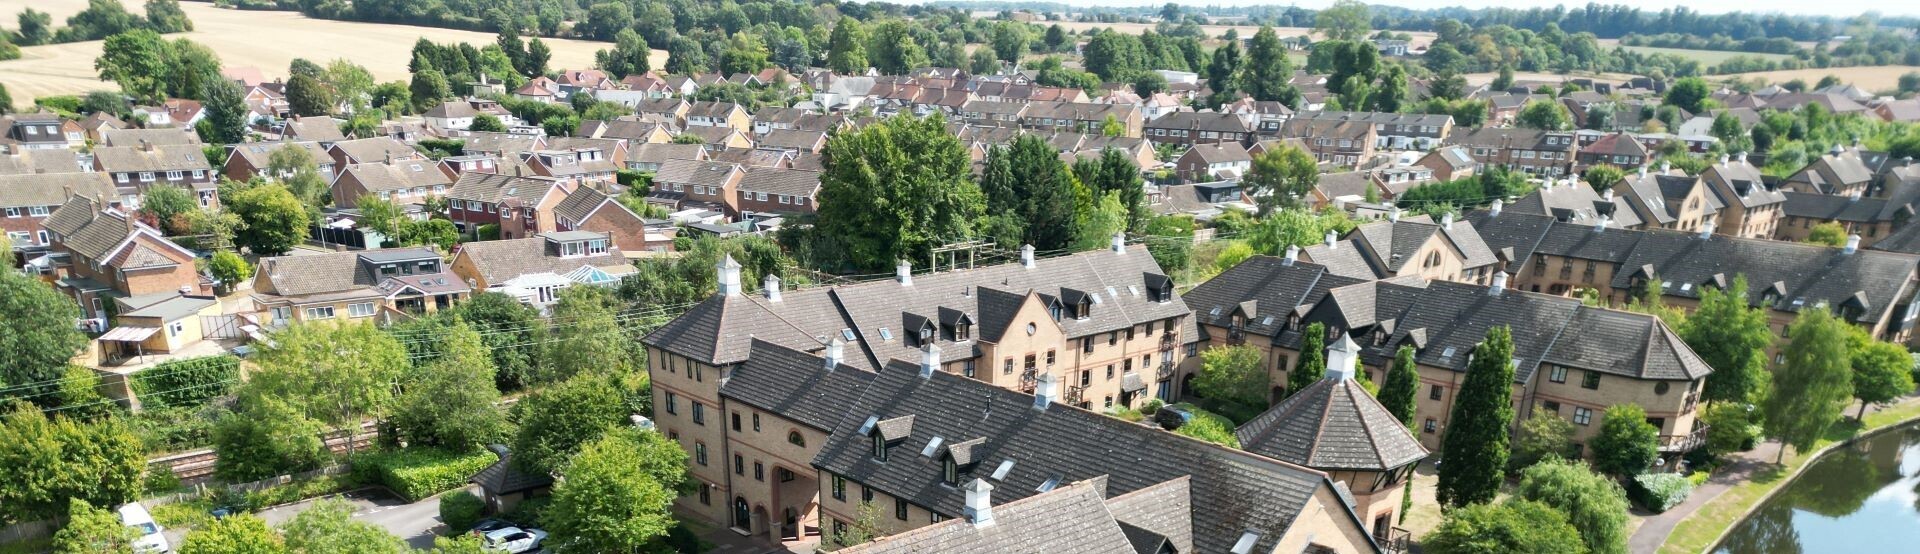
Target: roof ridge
pixel 1326 414
pixel 1367 427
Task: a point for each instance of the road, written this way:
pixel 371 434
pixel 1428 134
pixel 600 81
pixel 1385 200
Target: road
pixel 414 522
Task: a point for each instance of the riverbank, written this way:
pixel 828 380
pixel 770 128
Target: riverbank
pixel 1700 530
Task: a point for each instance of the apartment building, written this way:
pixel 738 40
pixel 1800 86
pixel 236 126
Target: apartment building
pixel 1749 207
pixel 1668 199
pixel 1408 247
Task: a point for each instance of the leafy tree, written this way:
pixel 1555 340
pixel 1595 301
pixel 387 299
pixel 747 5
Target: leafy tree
pixel 685 56
pixel 617 492
pixel 1595 505
pixel 1233 381
pixel 1268 72
pixel 36 27
pixel 1690 94
pixel 894 189
pixel 265 438
pixel 628 56
pixel 338 374
pixel 606 19
pixel 168 206
pixel 538 55
pixel 1282 176
pixel 1312 365
pixel 37 337
pixel 556 420
pixel 451 402
pixel 1831 233
pixel 1394 93
pixel 273 220
pixel 52 461
pixel 1009 40
pixel 227 113
pixel 1170 240
pixel 1882 371
pixel 90 530
pixel 1602 176
pixel 307 96
pixel 328 526
pixel 511 331
pixel 1732 337
pixel 1543 436
pixel 234 534
pixel 1811 388
pixel 1030 182
pixel 1544 114
pixel 1148 84
pixel 1344 20
pixel 847 47
pixel 864 527
pixel 587 338
pixel 1223 73
pixel 1475 445
pixel 80 396
pixel 137 60
pixel 1097 217
pixel 891 47
pixel 1514 526
pixel 428 88
pixel 1272 234
pixel 1626 445
pixel 745 53
pixel 487 123
pixel 982 62
pixel 1401 391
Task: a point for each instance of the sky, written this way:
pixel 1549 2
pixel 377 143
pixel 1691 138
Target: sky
pixel 1841 8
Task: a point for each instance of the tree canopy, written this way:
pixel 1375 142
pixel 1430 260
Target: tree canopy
pixel 1475 444
pixel 894 190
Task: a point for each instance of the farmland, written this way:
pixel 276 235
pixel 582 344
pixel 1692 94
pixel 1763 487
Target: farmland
pixel 1872 78
pixel 1708 58
pixel 1420 39
pixel 261 39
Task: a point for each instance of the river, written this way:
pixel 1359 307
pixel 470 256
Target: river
pixel 1863 497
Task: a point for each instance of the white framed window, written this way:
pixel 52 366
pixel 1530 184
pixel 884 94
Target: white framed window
pixel 173 175
pixel 761 196
pixel 37 211
pixel 43 238
pixel 121 177
pixel 174 329
pixel 799 200
pixel 282 314
pixel 1582 416
pixel 363 309
pixel 321 312
pixel 13 212
pixel 146 176
pixel 31 130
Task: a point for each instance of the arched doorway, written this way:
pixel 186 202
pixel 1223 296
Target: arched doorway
pixel 1186 386
pixel 742 519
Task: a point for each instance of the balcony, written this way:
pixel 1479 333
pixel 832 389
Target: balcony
pixel 1394 540
pixel 1166 371
pixel 1236 335
pixel 1029 379
pixel 1074 395
pixel 1683 443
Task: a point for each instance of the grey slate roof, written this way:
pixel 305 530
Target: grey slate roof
pixel 1655 196
pixel 501 478
pixel 88 228
pixel 1072 519
pixel 1163 510
pixel 1333 424
pixel 793 384
pixel 1577 203
pixel 1739 182
pixel 258 153
pixel 397 176
pixel 1232 491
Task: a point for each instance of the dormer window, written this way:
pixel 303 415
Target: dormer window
pixel 926 335
pixel 879 447
pixel 950 472
pixel 1082 309
pixel 962 332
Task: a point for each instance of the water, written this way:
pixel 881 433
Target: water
pixel 1864 497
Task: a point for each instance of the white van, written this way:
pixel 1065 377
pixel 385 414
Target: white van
pixel 134 515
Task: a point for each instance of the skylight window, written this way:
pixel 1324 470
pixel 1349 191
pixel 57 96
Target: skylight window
pixel 1268 320
pixel 1215 312
pixel 1448 353
pixel 932 446
pixel 1686 287
pixel 846 334
pixel 1000 473
pixel 868 426
pixel 1133 290
pixel 1049 484
pixel 886 334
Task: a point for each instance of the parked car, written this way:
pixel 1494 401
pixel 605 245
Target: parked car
pixel 150 540
pixel 514 540
pixel 488 525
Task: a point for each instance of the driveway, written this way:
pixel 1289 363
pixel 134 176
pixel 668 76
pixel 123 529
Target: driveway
pixel 414 522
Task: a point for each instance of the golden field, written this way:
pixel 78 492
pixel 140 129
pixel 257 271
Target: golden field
pixel 1877 78
pixel 262 39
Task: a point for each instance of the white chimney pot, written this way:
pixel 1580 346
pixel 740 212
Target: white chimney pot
pixel 903 272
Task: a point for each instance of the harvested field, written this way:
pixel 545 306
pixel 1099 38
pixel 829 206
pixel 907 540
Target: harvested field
pixel 1873 78
pixel 1709 58
pixel 262 39
pixel 1420 39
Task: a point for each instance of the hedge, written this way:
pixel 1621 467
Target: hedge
pixel 461 510
pixel 416 473
pixel 188 382
pixel 1659 492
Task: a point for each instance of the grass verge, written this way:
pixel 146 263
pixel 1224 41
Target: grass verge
pixel 1700 530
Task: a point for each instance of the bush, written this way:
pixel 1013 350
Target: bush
pixel 490 231
pixel 1698 478
pixel 1152 407
pixel 1126 414
pixel 292 492
pixel 188 382
pixel 460 510
pixel 416 473
pixel 1210 427
pixel 1659 492
pixel 164 430
pixel 159 482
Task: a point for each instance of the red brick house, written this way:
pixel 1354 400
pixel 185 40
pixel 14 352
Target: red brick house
pixel 101 253
pixel 589 209
pixel 775 190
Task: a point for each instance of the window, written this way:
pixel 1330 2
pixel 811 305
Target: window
pixel 673 403
pixel 1050 357
pixel 173 175
pixel 699 413
pixel 1551 406
pixel 1109 372
pixel 794 438
pixel 759 471
pixel 879 447
pixel 1591 380
pixel 949 472
pixel 739 465
pixel 866 493
pixel 13 212
pixel 966 369
pixel 1582 416
pixel 1557 374
pixel 839 527
pixel 700 453
pixel 900 509
pixel 1009 368
pixel 756 423
pixel 121 177
pixel 839 489
pixel 736 422
pixel 706 495
pixel 146 176
pixel 1430 426
pixel 1109 403
pixel 321 312
pixel 174 329
pixel 363 309
pixel 1433 393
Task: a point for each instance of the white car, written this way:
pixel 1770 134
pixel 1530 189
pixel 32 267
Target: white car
pixel 134 515
pixel 514 540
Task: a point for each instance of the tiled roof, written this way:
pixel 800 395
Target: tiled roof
pixel 495 187
pixel 655 153
pixel 307 274
pixel 499 143
pixel 1575 202
pixel 1226 152
pixel 258 153
pixel 164 157
pixel 1333 424
pixel 396 176
pixel 21 161
pixel 136 137
pixel 1072 519
pixel 376 149
pixel 792 138
pixel 1739 182
pixel 793 384
pixel 792 182
pixel 314 128
pixel 1203 121
pixel 695 172
pixel 501 478
pixel 501 260
pixel 52 189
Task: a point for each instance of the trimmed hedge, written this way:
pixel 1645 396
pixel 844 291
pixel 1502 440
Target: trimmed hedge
pixel 1659 492
pixel 416 473
pixel 189 382
pixel 461 510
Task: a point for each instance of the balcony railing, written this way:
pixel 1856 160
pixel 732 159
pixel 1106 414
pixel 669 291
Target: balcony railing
pixel 1394 540
pixel 1684 443
pixel 1074 395
pixel 1166 371
pixel 1029 379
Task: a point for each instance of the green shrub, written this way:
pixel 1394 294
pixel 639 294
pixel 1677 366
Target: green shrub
pixel 1153 406
pixel 184 514
pixel 460 510
pixel 164 430
pixel 292 492
pixel 160 482
pixel 1127 414
pixel 1698 478
pixel 64 103
pixel 188 382
pixel 416 473
pixel 528 512
pixel 490 231
pixel 1208 426
pixel 1659 492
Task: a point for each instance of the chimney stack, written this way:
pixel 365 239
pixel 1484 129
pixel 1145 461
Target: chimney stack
pixel 1120 242
pixel 1446 221
pixel 1499 283
pixel 1706 230
pixel 1665 166
pixel 1343 356
pixel 1026 256
pixel 1043 391
pixel 835 349
pixel 729 276
pixel 1724 159
pixel 1605 220
pixel 979 510
pixel 1853 243
pixel 1608 196
pixel 1497 205
pixel 929 360
pixel 1333 240
pixel 1394 214
pixel 903 272
pixel 1742 156
pixel 771 286
pixel 1293 255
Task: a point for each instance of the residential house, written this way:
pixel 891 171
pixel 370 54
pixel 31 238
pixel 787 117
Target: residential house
pixel 1211 162
pixel 319 129
pixel 1335 142
pixel 1264 117
pixel 589 209
pixel 1450 162
pixel 1668 199
pixel 988 113
pixel 26 201
pixel 793 140
pixel 776 190
pixel 138 168
pixel 163 136
pixel 1411 246
pixel 100 252
pixel 535 269
pixel 20 161
pixel 719 138
pixel 451 115
pixel 633 130
pixel 1750 207
pixel 485 198
pixel 401 183
pixel 158 323
pixel 683 184
pixel 455 166
pixel 370 150
pixel 1618 150
pixel 650 156
pixel 718 114
pixel 1571 201
pixel 252 159
pixel 95 125
pixel 1532 151
pixel 1081 117
pixel 573 167
pixel 1203 201
pixel 1841 172
pixel 1191 128
pixel 388 285
pixel 1395 131
pixel 771 118
pixel 34 131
